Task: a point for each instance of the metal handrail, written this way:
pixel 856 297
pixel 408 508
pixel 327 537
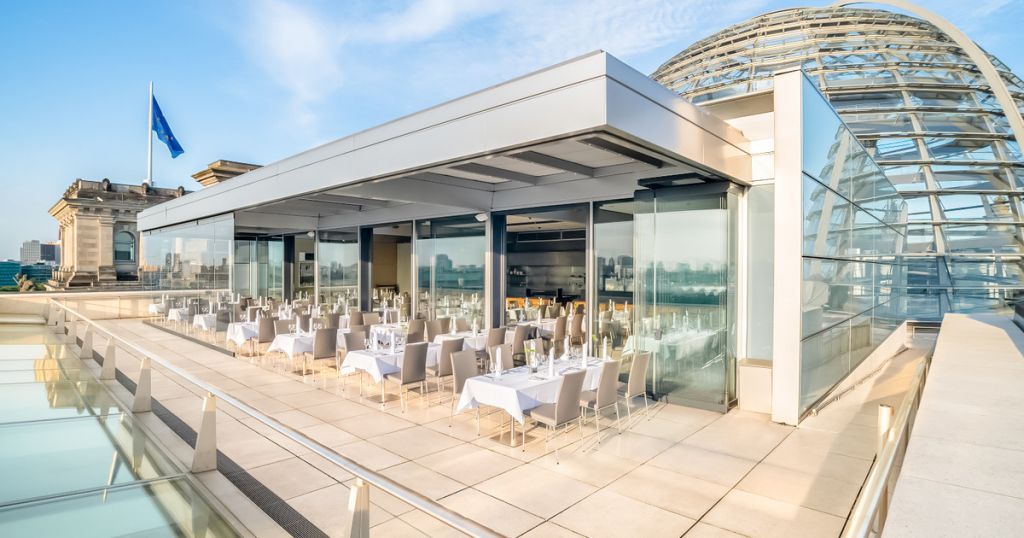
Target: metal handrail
pixel 431 507
pixel 872 503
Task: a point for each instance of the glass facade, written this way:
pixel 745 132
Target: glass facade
pixel 919 105
pixel 338 257
pixel 195 255
pixel 850 292
pixel 686 293
pixel 258 267
pixel 450 258
pixel 613 266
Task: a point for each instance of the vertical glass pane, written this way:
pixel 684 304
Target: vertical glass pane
pixel 686 279
pixel 761 270
pixel 613 266
pixel 189 256
pixel 338 257
pixel 450 255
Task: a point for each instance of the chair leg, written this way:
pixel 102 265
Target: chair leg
pixel 618 419
pixel 478 420
pixel 597 423
pixel 647 410
pixel 629 414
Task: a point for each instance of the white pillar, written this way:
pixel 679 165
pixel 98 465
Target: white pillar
pixel 86 352
pixel 107 372
pixel 205 456
pixel 357 518
pixel 787 315
pixel 143 403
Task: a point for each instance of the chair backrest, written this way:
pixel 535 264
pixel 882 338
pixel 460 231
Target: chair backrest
pixel 239 312
pixel 433 329
pixel 266 330
pixel 446 325
pixel 415 334
pixel 303 322
pixel 462 325
pixel 281 326
pixel 355 341
pixel 637 382
pixel 495 337
pixel 538 346
pixel 325 343
pixel 414 363
pixel 560 328
pixel 463 367
pixel 361 329
pixel 333 320
pixel 506 355
pixel 355 317
pixel 608 383
pixel 522 331
pixel 567 407
pixel 579 309
pixel 606 315
pixel 371 318
pixel 444 357
pixel 577 326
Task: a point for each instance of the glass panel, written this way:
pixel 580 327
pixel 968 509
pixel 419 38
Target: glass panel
pixel 685 281
pixel 977 207
pixel 982 238
pixel 338 258
pixel 613 264
pixel 450 257
pixel 191 256
pixel 170 507
pixel 761 270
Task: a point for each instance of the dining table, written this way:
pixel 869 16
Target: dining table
pixel 383 361
pixel 520 389
pixel 177 314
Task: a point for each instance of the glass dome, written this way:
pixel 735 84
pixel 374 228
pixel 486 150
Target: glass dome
pixel 922 108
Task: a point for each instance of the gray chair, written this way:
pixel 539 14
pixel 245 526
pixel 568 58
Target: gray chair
pixel 433 329
pixel 303 322
pixel 576 331
pixel 333 321
pixel 361 329
pixel 636 384
pixel 251 313
pixel 461 325
pixel 558 339
pixel 412 371
pixel 325 346
pixel 265 333
pixel 506 356
pixel 416 329
pixel 281 326
pixel 446 325
pixel 518 338
pixel 355 341
pixel 355 317
pixel 443 368
pixel 538 346
pixel 495 337
pixel 605 396
pixel 238 312
pixel 370 318
pixel 561 413
pixel 463 368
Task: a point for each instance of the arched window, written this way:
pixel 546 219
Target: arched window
pixel 124 247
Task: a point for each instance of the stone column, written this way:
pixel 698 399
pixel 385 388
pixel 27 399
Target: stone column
pixel 105 248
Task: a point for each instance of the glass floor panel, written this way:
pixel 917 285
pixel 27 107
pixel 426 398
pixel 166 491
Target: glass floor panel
pixel 39 364
pixel 57 456
pixel 21 402
pixel 169 507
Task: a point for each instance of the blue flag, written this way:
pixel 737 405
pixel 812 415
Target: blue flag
pixel 163 131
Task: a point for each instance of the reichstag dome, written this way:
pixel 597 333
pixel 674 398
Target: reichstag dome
pixel 924 108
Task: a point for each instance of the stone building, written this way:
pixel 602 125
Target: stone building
pixel 99 240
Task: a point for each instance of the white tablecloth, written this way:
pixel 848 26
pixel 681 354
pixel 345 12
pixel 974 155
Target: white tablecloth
pixel 206 322
pixel 677 345
pixel 518 390
pixel 381 363
pixel 242 331
pixel 157 308
pixel 177 314
pixel 292 344
pixel 382 331
pixel 469 341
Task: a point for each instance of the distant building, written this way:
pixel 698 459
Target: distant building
pixel 40 273
pixel 50 253
pixel 30 252
pixel 9 270
pixel 99 242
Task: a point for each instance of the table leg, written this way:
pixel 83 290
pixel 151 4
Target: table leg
pixel 512 431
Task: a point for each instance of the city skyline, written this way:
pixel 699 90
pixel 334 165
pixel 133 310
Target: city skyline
pixel 248 90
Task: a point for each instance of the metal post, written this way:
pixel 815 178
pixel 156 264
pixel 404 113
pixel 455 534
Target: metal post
pixel 51 310
pixel 60 322
pixel 205 456
pixel 72 337
pixel 357 522
pixel 109 358
pixel 86 352
pixel 143 402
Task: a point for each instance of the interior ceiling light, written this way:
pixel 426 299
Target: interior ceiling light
pixel 481 217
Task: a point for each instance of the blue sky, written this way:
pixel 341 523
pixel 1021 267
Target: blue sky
pixel 259 80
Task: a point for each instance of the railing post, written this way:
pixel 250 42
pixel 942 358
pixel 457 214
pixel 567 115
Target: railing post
pixel 86 352
pixel 51 311
pixel 143 402
pixel 107 371
pixel 72 337
pixel 884 434
pixel 205 456
pixel 60 322
pixel 357 522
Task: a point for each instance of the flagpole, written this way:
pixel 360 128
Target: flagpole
pixel 149 139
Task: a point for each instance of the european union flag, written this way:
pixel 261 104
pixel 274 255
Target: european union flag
pixel 163 131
